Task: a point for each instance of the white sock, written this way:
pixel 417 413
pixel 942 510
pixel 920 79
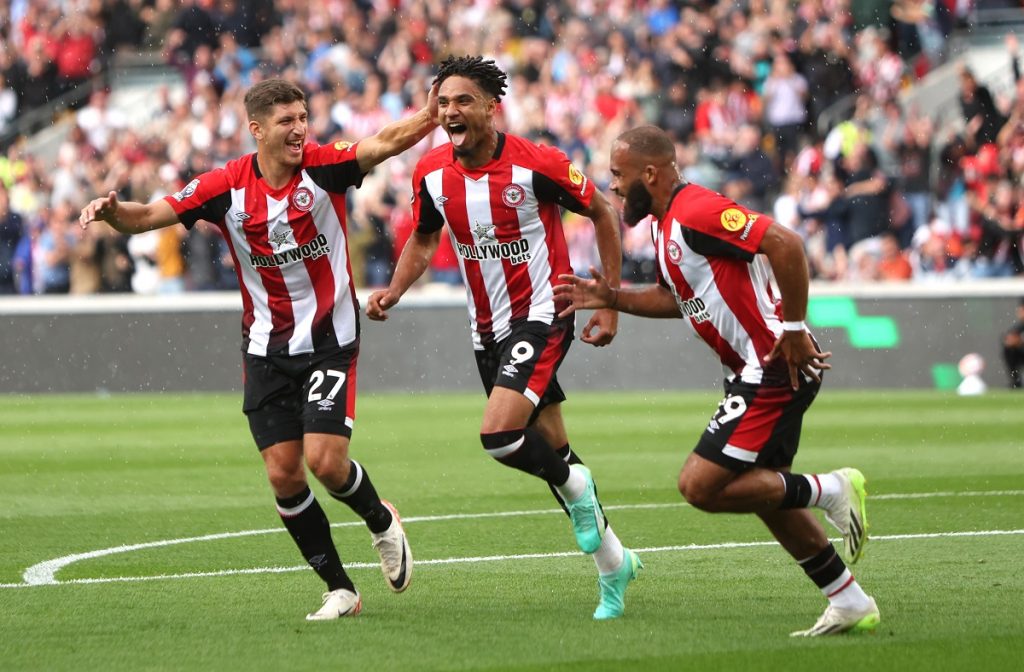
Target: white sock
pixel 846 593
pixel 572 489
pixel 824 489
pixel 608 556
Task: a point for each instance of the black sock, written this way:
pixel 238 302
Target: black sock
pixel 798 491
pixel 526 450
pixel 360 495
pixel 825 567
pixel 307 523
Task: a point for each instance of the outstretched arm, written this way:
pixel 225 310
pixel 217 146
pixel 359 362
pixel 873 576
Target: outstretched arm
pixel 785 252
pixel 398 136
pixel 415 259
pixel 609 247
pixel 645 301
pixel 128 216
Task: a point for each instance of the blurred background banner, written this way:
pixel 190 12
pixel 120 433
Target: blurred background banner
pixel 882 336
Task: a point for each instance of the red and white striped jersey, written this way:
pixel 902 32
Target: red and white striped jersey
pixel 289 246
pixel 706 248
pixel 505 224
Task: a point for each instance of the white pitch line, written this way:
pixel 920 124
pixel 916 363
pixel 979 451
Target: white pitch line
pixel 499 558
pixel 44 573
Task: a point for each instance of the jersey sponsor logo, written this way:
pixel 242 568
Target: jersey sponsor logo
pixel 189 189
pixel 750 224
pixel 484 232
pixel 733 219
pixel 695 309
pixel 302 199
pixel 675 253
pixel 517 251
pixel 279 238
pixel 314 249
pixel 341 145
pixel 513 195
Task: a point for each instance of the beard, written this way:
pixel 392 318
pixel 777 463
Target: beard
pixel 637 204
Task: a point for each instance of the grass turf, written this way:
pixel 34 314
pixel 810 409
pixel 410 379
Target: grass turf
pixel 84 473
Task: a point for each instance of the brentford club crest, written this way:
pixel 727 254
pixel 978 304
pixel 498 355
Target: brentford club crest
pixel 302 199
pixel 675 253
pixel 513 195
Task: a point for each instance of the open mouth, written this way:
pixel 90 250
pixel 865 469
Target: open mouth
pixel 457 132
pixel 294 147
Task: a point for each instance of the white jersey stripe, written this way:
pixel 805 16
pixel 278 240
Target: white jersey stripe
pixel 697 272
pixel 542 306
pixel 481 224
pixel 296 279
pixel 259 332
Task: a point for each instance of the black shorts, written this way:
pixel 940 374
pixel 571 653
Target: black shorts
pixel 757 425
pixel 527 361
pixel 287 397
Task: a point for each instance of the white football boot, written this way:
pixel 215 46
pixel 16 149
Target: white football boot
pixel 337 604
pixel 835 621
pixel 395 554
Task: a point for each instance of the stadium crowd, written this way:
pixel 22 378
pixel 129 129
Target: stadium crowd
pixel 883 195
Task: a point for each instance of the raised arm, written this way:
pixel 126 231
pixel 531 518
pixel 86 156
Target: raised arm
pixel 785 252
pixel 609 247
pixel 415 259
pixel 398 136
pixel 128 216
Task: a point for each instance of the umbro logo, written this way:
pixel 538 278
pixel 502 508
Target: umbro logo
pixel 441 200
pixel 244 216
pixel 325 404
pixel 510 371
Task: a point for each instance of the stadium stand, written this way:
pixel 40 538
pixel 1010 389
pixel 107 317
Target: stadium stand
pixel 884 120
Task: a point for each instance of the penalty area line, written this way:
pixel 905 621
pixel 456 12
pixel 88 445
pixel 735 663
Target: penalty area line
pixel 497 558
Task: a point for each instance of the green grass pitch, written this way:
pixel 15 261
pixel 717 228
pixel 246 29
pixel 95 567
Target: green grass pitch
pixel 146 475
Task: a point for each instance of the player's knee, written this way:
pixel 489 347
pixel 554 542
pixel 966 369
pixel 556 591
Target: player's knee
pixel 284 480
pixel 696 494
pixel 329 468
pixel 500 445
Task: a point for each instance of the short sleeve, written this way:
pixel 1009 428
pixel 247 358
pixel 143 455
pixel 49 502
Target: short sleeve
pixel 714 225
pixel 206 197
pixel 333 167
pixel 557 180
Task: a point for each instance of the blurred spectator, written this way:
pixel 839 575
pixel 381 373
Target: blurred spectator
pixel 893 263
pixel 8 104
pixel 915 164
pixel 25 256
pixel 99 121
pixel 1013 349
pixel 982 118
pixel 84 267
pixel 785 107
pixel 75 52
pixel 114 260
pixel 11 226
pixel 749 175
pixel 51 263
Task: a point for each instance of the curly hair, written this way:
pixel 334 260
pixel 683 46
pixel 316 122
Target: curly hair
pixel 485 74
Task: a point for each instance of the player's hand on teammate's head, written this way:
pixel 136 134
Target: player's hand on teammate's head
pixel 98 209
pixel 432 107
